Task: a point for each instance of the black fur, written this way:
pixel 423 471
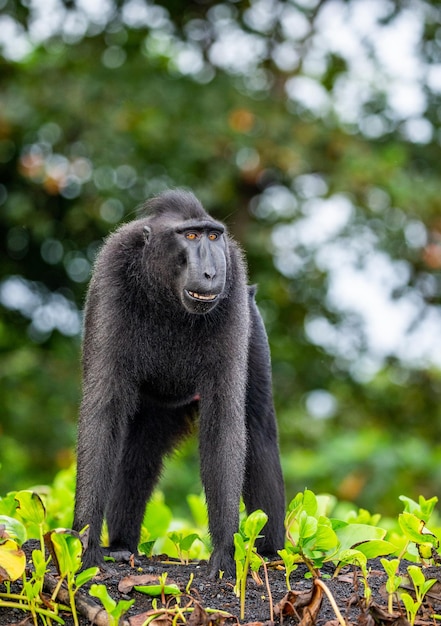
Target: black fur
pixel 155 356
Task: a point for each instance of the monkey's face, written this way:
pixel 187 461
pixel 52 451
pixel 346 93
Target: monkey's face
pixel 203 265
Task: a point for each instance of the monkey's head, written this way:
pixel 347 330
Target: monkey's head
pixel 193 249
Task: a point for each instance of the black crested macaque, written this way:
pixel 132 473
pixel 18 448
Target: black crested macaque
pixel 172 332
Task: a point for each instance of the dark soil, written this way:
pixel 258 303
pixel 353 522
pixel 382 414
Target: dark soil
pixel 347 589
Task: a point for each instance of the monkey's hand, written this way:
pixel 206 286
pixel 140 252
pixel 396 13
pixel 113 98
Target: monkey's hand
pixel 222 561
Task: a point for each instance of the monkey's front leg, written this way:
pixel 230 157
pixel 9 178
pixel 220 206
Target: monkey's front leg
pixel 222 454
pixel 98 444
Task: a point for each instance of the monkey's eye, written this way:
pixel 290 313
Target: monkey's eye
pixel 191 236
pixel 213 236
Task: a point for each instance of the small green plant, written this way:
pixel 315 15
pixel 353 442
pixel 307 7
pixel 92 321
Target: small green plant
pixel 32 512
pixel 393 581
pixel 66 549
pixel 12 567
pixel 421 587
pixel 183 543
pixel 245 553
pixel 289 562
pixel 316 539
pixel 413 526
pixel 115 610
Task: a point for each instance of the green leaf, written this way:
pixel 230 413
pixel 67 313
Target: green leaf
pixel 116 610
pixel 390 566
pixel 310 504
pixel 188 541
pixel 295 503
pixel 427 585
pixel 30 507
pixel 157 590
pixel 416 575
pixel 239 547
pixel 411 605
pixel 325 504
pixel 410 506
pixel 68 551
pixel 184 542
pixel 146 547
pixel 254 524
pixel 423 509
pixel 83 577
pixel 8 504
pixel 288 557
pixel 353 534
pixel 325 538
pixel 352 556
pixel 100 592
pixel 14 529
pixel 376 547
pixel 40 563
pixel 307 527
pixel 415 530
pixel 255 561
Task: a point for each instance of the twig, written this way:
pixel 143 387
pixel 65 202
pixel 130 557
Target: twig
pixel 85 605
pixel 339 616
pixel 268 589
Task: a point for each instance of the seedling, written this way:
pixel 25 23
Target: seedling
pixel 31 510
pixel 183 543
pixel 12 567
pixel 66 549
pixel 422 509
pixel 421 587
pixel 115 611
pixel 413 525
pixel 245 553
pixel 393 581
pixel 289 561
pixel 315 539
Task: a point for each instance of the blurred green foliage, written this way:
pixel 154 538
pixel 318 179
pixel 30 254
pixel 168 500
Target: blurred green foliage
pixel 106 110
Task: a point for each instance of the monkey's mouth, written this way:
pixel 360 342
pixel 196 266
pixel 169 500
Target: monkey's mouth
pixel 203 297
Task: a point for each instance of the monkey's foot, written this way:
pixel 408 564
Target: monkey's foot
pixel 120 555
pixel 221 564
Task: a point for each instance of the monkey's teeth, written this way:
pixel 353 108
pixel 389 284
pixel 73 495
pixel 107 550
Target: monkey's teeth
pixel 200 296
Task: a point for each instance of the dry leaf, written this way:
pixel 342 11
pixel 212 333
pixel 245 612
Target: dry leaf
pixel 200 617
pixel 304 605
pixel 162 619
pixel 127 583
pixel 381 615
pixel 139 619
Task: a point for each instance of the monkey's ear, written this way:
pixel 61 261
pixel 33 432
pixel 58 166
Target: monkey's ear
pixel 146 232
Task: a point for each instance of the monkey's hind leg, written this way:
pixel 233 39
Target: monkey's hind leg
pixel 150 434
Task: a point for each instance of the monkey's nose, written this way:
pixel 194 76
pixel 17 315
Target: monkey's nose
pixel 210 274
